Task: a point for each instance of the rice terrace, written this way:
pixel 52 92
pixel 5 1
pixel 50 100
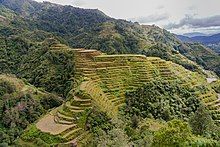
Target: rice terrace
pixel 85 73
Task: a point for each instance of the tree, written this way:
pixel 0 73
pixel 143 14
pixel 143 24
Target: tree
pixel 202 123
pixel 177 133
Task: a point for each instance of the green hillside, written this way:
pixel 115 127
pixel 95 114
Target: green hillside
pixel 89 28
pixel 20 105
pixel 107 83
pixel 76 77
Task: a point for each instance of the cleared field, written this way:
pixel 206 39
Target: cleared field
pixel 48 125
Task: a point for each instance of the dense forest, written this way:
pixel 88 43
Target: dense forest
pixel 169 101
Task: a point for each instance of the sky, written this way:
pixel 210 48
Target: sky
pixel 177 16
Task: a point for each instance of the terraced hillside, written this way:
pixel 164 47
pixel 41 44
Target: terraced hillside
pixel 102 81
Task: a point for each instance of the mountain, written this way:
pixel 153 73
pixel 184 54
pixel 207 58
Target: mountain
pixel 184 38
pixel 93 29
pixel 212 41
pixel 194 34
pixel 207 39
pixel 76 77
pixel 115 95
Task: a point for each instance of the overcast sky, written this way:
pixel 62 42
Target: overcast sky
pixel 178 16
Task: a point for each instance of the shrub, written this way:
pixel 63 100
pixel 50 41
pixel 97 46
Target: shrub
pixel 177 133
pixel 33 134
pixel 202 124
pixel 51 101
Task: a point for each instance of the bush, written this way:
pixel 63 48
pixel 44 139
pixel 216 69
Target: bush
pixel 177 133
pixel 202 124
pixel 33 134
pixel 98 120
pixel 51 101
pixel 6 87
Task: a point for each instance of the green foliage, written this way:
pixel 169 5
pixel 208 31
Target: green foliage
pixel 93 29
pixel 216 86
pixel 7 13
pixel 51 101
pixel 202 124
pixel 17 112
pixel 163 100
pixel 52 71
pixel 97 121
pixel 115 138
pixel 42 67
pixel 199 141
pixel 25 50
pixel 205 57
pixel 34 135
pixel 6 87
pixel 20 105
pixel 177 133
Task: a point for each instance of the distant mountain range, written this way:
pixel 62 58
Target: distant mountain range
pixel 193 34
pixel 212 41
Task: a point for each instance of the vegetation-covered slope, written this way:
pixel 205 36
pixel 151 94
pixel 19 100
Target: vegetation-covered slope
pixel 102 82
pixel 92 29
pixel 20 105
pixel 103 94
pixel 40 63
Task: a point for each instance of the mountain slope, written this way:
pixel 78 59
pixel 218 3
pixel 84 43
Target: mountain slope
pixel 207 39
pixel 212 41
pixel 21 104
pixel 106 83
pixel 111 99
pixel 93 29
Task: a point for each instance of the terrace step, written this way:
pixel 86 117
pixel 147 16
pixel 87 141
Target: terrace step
pixel 68 130
pixel 57 120
pixel 81 100
pixel 64 117
pixel 68 105
pixel 71 134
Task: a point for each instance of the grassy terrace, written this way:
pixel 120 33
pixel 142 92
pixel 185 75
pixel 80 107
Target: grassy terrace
pixel 102 80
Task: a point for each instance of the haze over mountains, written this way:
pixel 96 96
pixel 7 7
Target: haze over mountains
pixel 212 41
pixel 71 76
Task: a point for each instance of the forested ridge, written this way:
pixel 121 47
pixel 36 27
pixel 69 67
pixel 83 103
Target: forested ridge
pixel 89 28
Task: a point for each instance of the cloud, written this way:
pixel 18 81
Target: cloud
pixel 151 18
pixel 160 7
pixel 192 22
pixel 78 3
pixel 191 8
